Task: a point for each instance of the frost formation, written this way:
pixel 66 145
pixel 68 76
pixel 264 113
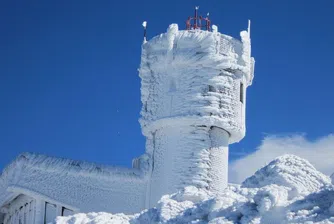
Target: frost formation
pixel 264 197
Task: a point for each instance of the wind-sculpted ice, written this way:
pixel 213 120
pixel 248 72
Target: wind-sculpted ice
pixel 263 198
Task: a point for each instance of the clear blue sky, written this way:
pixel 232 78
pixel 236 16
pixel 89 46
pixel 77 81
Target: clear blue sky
pixel 69 85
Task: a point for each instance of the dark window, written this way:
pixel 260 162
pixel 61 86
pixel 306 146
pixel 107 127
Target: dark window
pixel 241 92
pixel 66 212
pixel 212 89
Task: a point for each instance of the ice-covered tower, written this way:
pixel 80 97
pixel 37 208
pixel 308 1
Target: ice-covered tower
pixel 193 91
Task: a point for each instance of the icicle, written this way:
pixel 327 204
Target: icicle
pixel 214 28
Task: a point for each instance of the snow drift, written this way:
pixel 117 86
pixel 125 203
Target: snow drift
pixel 287 190
pixel 301 177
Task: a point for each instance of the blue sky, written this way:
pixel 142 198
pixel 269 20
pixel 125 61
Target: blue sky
pixel 69 85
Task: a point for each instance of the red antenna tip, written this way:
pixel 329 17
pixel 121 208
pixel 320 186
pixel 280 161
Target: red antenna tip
pixel 196 21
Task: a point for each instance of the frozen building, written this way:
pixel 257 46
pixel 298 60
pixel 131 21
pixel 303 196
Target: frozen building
pixel 193 91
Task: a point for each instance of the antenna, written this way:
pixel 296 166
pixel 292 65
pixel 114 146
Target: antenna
pixel 197 22
pixel 207 22
pixel 249 27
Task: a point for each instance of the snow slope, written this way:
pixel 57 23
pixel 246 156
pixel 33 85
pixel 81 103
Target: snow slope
pixel 287 190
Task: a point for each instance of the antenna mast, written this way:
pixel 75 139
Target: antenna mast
pixel 197 21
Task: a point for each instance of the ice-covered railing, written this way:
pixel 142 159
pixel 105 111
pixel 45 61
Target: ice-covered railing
pixel 59 179
pixel 229 44
pixel 61 165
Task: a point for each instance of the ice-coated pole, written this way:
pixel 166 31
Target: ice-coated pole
pixel 195 18
pixel 207 21
pixel 144 25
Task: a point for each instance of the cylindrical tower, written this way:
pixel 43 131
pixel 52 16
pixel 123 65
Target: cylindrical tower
pixel 194 94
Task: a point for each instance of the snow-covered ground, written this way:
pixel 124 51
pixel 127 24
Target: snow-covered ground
pixel 287 190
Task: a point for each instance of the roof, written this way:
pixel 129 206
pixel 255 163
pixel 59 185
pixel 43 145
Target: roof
pixel 76 184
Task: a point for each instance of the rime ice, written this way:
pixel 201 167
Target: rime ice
pixel 267 201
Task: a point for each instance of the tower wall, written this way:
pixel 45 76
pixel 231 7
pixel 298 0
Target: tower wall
pixel 188 155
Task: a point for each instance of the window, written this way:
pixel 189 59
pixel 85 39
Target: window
pixel 172 85
pixel 50 213
pixel 66 212
pixel 212 89
pixel 241 92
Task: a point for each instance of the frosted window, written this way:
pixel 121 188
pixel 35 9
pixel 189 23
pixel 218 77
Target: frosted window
pixel 172 85
pixel 241 92
pixel 50 212
pixel 21 213
pixel 31 212
pixel 25 216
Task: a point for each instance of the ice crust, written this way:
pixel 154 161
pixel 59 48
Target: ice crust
pixel 264 197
